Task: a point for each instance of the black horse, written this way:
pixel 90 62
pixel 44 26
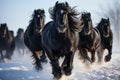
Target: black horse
pixel 89 38
pixel 7 42
pixel 32 38
pixel 60 38
pixel 106 39
pixel 19 41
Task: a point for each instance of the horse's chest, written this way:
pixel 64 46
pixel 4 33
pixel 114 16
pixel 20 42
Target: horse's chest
pixel 86 41
pixel 60 44
pixel 35 42
pixel 3 44
pixel 106 42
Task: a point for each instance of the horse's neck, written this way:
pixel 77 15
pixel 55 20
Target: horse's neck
pixel 99 26
pixel 30 29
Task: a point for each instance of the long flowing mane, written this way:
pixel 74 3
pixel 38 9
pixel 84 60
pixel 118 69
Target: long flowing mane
pixel 73 21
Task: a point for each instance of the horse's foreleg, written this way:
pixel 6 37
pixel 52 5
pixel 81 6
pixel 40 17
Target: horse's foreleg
pixel 23 51
pixel 37 61
pixel 43 57
pixel 2 57
pixel 67 65
pixel 93 56
pixel 19 51
pixel 56 70
pixel 80 55
pixel 108 57
pixel 84 52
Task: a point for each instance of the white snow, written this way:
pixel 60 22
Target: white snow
pixel 21 68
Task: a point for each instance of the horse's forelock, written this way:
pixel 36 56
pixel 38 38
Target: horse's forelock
pixel 58 6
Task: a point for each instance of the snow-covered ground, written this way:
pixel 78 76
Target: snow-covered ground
pixel 21 68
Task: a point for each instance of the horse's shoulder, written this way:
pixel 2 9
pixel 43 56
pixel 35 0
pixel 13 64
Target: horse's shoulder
pixel 48 25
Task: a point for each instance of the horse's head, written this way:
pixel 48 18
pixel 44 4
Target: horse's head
pixel 86 22
pixel 20 32
pixel 4 30
pixel 60 16
pixel 39 16
pixel 105 26
pixel 11 32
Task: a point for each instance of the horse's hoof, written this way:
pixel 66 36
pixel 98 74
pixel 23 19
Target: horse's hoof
pixel 93 60
pixel 57 75
pixel 38 66
pixel 107 58
pixel 67 71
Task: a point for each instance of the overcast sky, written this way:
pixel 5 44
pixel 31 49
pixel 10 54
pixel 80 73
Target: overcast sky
pixel 17 13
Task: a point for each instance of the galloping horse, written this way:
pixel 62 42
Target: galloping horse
pixel 106 39
pixel 7 42
pixel 19 41
pixel 89 38
pixel 60 38
pixel 32 38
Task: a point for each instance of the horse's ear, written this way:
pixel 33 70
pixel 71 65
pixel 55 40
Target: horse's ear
pixel 56 3
pixel 89 14
pixel 66 3
pixel 82 14
pixel 108 19
pixel 5 24
pixel 102 19
pixel 43 11
pixel 35 11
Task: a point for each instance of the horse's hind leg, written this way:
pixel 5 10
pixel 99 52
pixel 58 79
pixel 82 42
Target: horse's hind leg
pixel 67 65
pixel 93 56
pixel 108 57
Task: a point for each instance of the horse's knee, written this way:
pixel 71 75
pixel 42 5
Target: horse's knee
pixel 67 70
pixel 93 59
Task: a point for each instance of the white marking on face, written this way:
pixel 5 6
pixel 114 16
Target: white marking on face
pixel 61 11
pixel 38 16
